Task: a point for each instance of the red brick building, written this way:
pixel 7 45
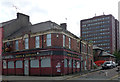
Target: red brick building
pixel 1 37
pixel 45 48
pixel 101 55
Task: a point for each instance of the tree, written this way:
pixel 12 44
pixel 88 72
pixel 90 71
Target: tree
pixel 117 55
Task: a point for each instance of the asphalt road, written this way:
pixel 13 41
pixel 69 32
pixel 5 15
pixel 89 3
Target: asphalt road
pixel 108 74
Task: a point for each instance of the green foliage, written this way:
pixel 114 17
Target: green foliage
pixel 117 55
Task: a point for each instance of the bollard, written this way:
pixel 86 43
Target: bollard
pixel 106 74
pixel 118 79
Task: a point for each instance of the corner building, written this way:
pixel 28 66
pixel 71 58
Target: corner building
pixel 45 48
pixel 102 31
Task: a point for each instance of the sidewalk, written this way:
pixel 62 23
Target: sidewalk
pixel 65 77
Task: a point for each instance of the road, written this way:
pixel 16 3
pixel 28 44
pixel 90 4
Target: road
pixel 108 74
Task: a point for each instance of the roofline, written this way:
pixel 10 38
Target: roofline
pixel 97 17
pixel 45 32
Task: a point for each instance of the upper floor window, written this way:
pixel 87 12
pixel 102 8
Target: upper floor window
pixel 16 45
pixel 26 43
pixel 37 42
pixel 48 39
pixel 69 43
pixel 63 40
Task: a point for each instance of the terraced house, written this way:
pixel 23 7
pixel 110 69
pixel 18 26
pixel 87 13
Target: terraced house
pixel 45 48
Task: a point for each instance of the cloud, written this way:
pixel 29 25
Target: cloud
pixel 58 10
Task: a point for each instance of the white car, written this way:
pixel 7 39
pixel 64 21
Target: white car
pixel 114 64
pixel 107 64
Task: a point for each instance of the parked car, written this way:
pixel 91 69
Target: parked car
pixel 107 64
pixel 114 64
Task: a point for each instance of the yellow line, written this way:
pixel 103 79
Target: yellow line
pixel 113 77
pixel 81 75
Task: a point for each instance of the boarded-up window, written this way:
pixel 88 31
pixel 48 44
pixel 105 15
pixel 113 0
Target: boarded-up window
pixel 19 64
pixel 70 63
pixel 4 64
pixel 78 64
pixel 65 62
pixel 11 64
pixel 46 62
pixel 34 63
pixel 74 64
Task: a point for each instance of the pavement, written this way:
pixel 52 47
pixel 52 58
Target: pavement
pixel 65 77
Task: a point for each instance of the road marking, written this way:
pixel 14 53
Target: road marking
pixel 81 75
pixel 114 77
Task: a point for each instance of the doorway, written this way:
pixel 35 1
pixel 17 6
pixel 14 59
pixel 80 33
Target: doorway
pixel 26 67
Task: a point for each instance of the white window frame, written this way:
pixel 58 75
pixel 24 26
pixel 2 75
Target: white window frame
pixel 48 39
pixel 63 40
pixel 69 43
pixel 26 43
pixel 17 45
pixel 37 42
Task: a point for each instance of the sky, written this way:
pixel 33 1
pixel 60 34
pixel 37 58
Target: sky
pixel 59 11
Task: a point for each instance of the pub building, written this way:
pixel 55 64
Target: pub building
pixel 45 48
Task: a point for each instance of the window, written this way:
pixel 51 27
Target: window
pixel 34 63
pixel 78 64
pixel 81 58
pixel 37 42
pixel 69 43
pixel 4 64
pixel 26 43
pixel 19 64
pixel 16 45
pixel 70 63
pixel 74 64
pixel 46 62
pixel 65 62
pixel 11 64
pixel 48 39
pixel 63 40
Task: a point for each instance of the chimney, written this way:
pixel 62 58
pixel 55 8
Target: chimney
pixel 22 16
pixel 63 26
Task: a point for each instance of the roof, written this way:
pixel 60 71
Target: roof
pixel 97 17
pixel 97 48
pixel 12 26
pixel 20 26
pixel 34 28
pixel 40 27
pixel 107 54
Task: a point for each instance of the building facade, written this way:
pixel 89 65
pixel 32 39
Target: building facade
pixel 102 31
pixel 45 48
pixel 1 38
pixel 100 55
